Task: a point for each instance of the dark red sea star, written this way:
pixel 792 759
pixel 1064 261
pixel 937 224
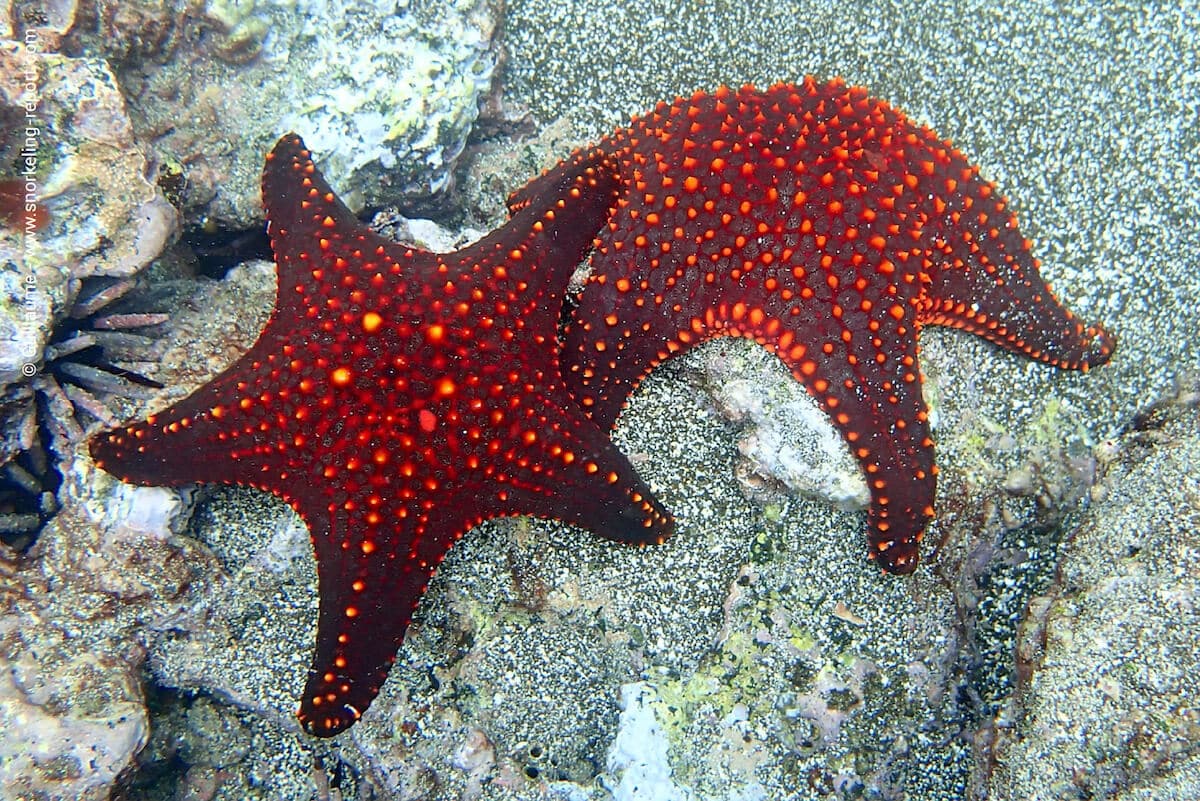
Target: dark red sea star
pixel 395 399
pixel 822 224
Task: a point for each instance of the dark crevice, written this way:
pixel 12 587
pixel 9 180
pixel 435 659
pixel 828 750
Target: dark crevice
pixel 219 251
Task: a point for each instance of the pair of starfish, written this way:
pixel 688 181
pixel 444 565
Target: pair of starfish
pixel 397 398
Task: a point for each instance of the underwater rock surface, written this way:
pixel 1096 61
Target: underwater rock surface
pixel 96 211
pixel 387 93
pixel 774 660
pixel 1109 706
pixel 71 639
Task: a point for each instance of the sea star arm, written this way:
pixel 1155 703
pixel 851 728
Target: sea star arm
pixel 982 276
pixel 242 427
pixel 372 576
pixel 869 385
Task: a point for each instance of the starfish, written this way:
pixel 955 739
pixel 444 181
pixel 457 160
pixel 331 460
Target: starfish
pixel 822 224
pixel 395 399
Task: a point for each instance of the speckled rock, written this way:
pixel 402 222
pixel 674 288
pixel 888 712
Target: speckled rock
pixel 498 166
pixel 74 720
pixel 386 94
pixel 268 570
pixel 96 212
pixel 783 663
pixel 638 755
pixel 503 697
pixel 1110 707
pixel 49 20
pixel 783 435
pixel 230 753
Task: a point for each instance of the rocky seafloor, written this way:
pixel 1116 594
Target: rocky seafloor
pixel 153 642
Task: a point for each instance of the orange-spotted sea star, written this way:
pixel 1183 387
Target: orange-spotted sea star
pixel 822 224
pixel 395 399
